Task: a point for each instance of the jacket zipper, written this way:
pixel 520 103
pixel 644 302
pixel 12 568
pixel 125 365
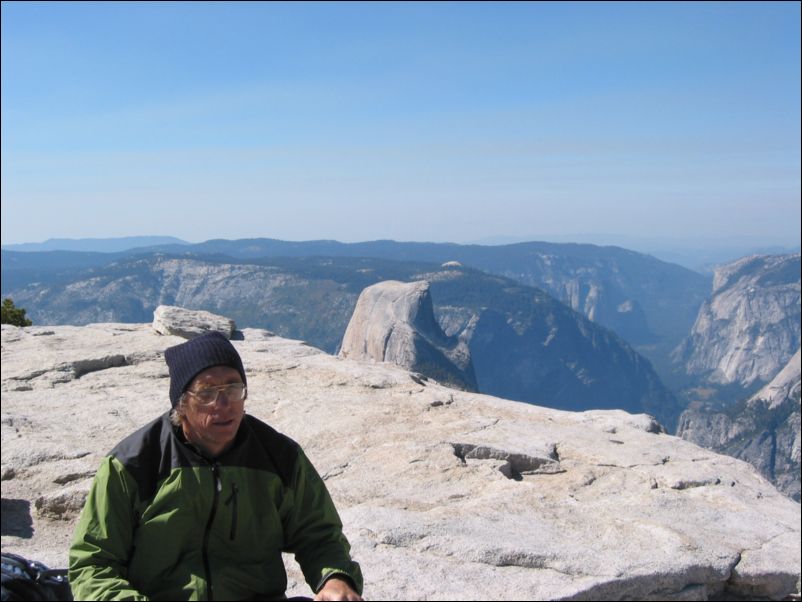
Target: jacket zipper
pixel 217 488
pixel 233 498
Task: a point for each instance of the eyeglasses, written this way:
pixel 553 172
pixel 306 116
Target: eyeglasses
pixel 207 396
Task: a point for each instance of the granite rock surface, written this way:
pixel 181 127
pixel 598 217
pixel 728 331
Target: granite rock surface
pixel 394 322
pixel 444 494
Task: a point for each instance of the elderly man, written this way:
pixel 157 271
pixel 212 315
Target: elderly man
pixel 200 503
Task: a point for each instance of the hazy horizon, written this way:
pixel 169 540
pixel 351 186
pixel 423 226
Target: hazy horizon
pixel 442 122
pixel 698 255
pixel 599 239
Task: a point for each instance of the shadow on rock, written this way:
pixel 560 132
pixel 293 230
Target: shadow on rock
pixel 16 519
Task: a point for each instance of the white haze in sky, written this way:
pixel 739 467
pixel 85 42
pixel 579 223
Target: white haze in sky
pixel 455 122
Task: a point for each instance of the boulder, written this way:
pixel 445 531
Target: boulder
pixel 189 323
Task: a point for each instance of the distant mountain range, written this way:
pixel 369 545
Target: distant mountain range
pixel 700 255
pixel 650 303
pixel 95 245
pixel 539 318
pixel 526 345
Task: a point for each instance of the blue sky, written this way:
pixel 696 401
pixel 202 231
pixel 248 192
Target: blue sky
pixel 411 121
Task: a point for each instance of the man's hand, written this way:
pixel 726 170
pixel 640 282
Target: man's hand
pixel 337 589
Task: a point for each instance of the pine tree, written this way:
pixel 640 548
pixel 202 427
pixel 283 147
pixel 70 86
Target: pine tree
pixel 13 315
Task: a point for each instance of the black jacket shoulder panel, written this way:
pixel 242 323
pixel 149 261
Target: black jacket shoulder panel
pixel 151 452
pixel 263 448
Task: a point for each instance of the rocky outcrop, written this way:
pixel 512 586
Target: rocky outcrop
pixel 764 430
pixel 444 494
pixel 784 386
pixel 189 323
pixel 394 322
pixel 750 326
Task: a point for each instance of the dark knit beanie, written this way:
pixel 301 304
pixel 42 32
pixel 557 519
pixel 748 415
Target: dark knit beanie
pixel 189 359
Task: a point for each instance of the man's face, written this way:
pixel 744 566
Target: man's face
pixel 214 427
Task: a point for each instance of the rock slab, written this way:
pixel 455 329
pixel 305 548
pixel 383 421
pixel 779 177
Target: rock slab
pixel 444 494
pixel 188 323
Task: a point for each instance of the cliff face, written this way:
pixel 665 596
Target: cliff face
pixel 648 302
pixel 750 326
pixel 561 359
pixel 444 494
pixel 764 430
pixel 394 322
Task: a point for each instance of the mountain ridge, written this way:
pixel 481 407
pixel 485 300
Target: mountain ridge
pixel 99 245
pixel 560 352
pixel 650 303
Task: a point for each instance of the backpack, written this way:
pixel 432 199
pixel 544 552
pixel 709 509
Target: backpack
pixel 24 579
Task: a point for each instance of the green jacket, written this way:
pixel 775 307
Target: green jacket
pixel 163 522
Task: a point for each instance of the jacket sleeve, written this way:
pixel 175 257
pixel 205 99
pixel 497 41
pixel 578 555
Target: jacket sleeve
pixel 313 530
pixel 103 538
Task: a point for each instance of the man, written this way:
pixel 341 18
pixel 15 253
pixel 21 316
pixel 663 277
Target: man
pixel 200 503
